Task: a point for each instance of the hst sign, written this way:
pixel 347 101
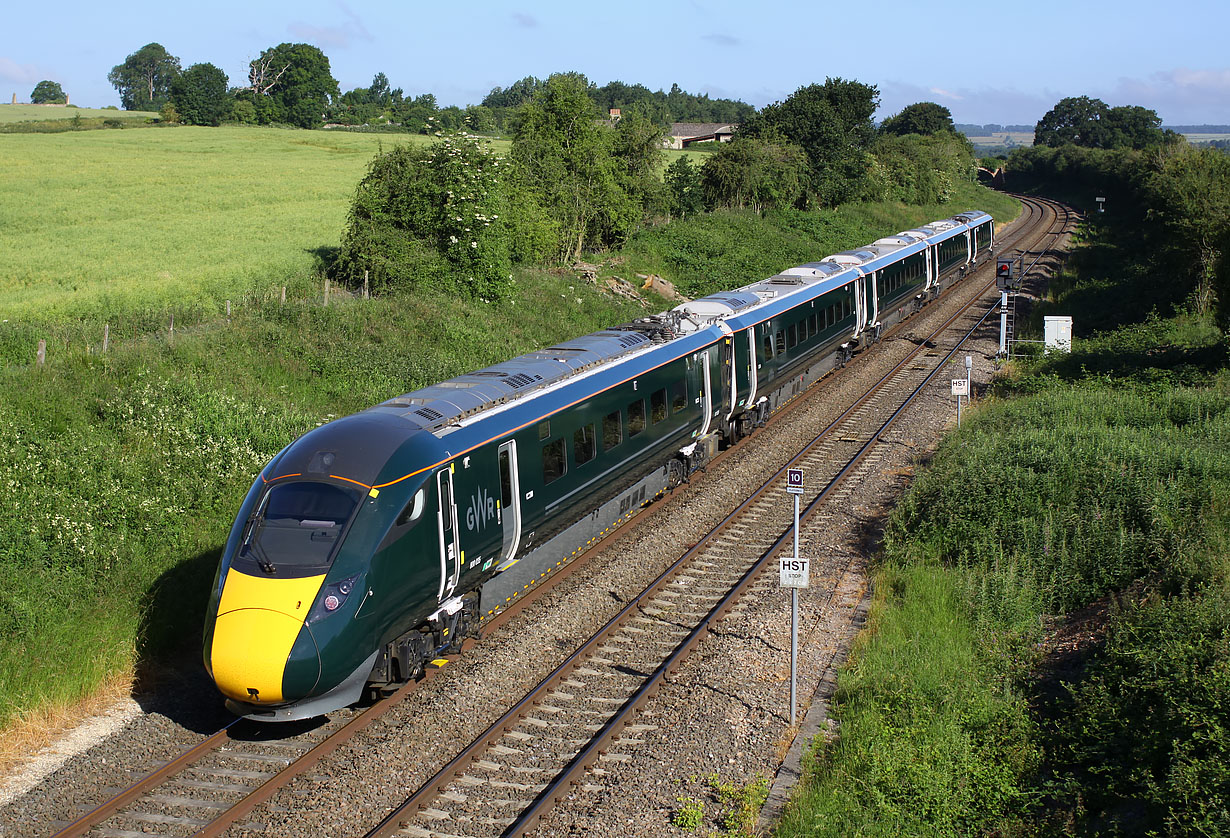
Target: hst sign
pixel 795 572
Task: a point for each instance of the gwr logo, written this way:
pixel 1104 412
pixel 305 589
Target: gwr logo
pixel 481 510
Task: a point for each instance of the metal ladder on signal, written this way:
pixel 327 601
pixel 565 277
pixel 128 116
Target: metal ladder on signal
pixel 1010 322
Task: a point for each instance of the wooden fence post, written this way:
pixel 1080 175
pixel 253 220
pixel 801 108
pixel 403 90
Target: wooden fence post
pixel 42 352
pixel 228 311
pixel 366 296
pixel 171 328
pixel 326 290
pixel 106 336
pixel 283 295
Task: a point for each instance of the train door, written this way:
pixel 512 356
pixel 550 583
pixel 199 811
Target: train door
pixel 930 270
pixel 873 283
pixel 509 509
pixel 446 526
pixel 706 393
pixel 752 366
pixel 728 371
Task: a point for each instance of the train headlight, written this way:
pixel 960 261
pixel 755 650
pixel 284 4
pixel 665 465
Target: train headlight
pixel 332 597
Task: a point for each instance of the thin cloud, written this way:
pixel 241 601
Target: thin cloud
pixel 945 94
pixel 721 40
pixel 525 21
pixel 1180 96
pixel 340 36
pixel 10 70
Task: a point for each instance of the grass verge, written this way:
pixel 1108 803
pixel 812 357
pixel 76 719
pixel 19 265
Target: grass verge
pixel 1100 477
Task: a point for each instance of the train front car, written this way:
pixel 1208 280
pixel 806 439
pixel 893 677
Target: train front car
pixel 323 565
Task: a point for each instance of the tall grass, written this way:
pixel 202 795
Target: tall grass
pixel 120 474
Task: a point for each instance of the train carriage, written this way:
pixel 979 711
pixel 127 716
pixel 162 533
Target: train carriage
pixel 374 543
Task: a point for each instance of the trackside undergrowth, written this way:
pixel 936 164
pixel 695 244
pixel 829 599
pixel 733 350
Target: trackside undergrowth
pixel 1098 481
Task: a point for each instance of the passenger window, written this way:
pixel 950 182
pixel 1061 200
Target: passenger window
pixel 802 330
pixel 792 336
pixel 446 501
pixel 553 463
pixel 679 396
pixel 768 346
pixel 813 326
pixel 413 510
pixel 506 497
pixel 612 431
pixel 780 342
pixel 636 417
pixel 544 430
pixel 657 406
pixel 584 445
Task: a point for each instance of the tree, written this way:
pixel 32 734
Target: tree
pixel 200 95
pixel 1188 194
pixel 750 173
pixel 425 213
pixel 1076 120
pixel 684 188
pixel 1092 124
pixel 831 123
pixel 638 148
pixel 144 79
pixel 48 93
pixel 920 118
pixel 292 83
pixel 1131 126
pixel 564 153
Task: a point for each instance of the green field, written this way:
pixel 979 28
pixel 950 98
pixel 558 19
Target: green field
pixel 1003 139
pixel 31 113
pixel 104 223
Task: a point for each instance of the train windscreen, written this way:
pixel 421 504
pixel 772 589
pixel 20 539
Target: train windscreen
pixel 299 524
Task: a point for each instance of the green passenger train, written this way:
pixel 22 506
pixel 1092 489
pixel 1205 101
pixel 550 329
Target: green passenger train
pixel 374 544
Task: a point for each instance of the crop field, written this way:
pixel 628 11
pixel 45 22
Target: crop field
pixel 26 113
pixel 109 222
pixel 1011 139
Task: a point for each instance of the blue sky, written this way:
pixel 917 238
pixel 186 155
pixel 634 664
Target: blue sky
pixel 1003 62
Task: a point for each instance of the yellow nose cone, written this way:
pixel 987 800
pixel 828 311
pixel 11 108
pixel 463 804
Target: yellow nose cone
pixel 249 653
pixel 258 622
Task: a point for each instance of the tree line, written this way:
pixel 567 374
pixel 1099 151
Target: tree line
pixel 578 182
pixel 293 84
pixel 1171 197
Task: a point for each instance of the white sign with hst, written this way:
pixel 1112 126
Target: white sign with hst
pixel 960 386
pixel 795 572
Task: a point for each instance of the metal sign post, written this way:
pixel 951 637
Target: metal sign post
pixel 795 573
pixel 960 387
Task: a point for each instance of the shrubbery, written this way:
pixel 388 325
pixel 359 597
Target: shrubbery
pixel 431 215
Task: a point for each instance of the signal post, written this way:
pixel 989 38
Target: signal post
pixel 795 573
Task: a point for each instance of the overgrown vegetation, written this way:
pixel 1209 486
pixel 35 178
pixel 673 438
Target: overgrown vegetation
pixel 576 183
pixel 1086 500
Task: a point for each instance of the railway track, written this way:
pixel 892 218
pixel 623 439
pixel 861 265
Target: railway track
pixel 558 731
